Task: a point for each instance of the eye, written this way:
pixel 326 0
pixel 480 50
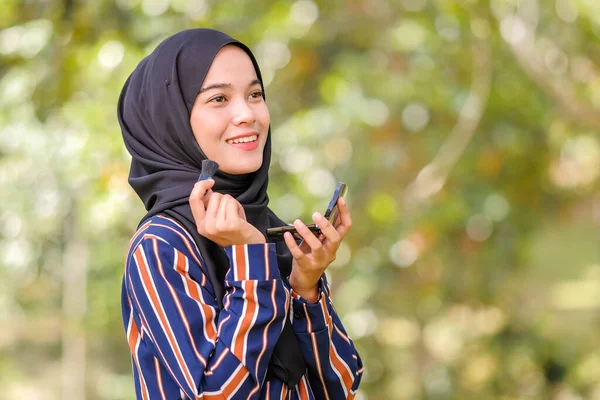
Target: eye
pixel 257 95
pixel 218 99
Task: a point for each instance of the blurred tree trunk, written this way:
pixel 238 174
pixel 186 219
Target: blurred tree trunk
pixel 74 307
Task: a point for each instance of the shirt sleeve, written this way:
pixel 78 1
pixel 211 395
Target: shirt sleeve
pixel 334 366
pixel 208 353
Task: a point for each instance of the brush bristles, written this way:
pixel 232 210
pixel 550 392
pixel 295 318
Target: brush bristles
pixel 209 169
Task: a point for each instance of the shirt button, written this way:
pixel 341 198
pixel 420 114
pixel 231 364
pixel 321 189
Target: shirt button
pixel 297 314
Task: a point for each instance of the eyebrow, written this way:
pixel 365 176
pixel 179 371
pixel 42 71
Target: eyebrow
pixel 224 86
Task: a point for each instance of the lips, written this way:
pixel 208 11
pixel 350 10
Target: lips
pixel 243 139
pixel 247 142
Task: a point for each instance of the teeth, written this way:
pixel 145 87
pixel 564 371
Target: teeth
pixel 246 139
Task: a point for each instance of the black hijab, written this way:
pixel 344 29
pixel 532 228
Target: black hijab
pixel 154 113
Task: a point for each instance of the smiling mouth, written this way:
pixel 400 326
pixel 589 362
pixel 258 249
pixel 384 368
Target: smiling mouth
pixel 247 139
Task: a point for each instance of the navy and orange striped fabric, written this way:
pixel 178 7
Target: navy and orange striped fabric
pixel 182 347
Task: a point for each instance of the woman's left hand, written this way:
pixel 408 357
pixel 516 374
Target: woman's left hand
pixel 314 254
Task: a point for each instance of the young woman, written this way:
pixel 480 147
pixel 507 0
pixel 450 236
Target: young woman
pixel 211 310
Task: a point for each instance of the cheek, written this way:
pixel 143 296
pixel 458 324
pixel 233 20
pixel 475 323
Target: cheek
pixel 206 127
pixel 264 116
pixel 196 126
pixel 264 120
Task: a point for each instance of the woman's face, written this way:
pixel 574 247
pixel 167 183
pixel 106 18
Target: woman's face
pixel 230 119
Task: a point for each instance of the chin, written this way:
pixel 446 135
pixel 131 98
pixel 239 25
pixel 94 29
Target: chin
pixel 240 169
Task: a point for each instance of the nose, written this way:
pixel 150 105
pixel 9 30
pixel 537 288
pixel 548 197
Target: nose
pixel 242 112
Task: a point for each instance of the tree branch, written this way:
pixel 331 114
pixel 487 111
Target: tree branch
pixel 559 89
pixel 432 178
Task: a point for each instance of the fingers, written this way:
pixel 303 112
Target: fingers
pixel 221 218
pixel 330 233
pixel 242 212
pixel 307 235
pixel 232 209
pixel 222 213
pixel 345 217
pixel 210 218
pixel 206 197
pixel 295 250
pixel 204 185
pixel 314 244
pixel 197 198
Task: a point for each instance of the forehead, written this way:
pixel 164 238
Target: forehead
pixel 231 63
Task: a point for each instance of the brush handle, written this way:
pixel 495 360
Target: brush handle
pixel 209 169
pixel 204 176
pixel 275 234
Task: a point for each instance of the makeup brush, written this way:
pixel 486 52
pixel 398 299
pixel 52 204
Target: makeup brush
pixel 209 169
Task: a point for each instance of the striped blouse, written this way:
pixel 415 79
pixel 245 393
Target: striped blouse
pixel 183 347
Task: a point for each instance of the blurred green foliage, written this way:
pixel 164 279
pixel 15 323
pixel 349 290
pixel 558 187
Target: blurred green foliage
pixel 467 131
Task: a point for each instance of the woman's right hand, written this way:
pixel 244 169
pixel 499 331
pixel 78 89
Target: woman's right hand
pixel 220 217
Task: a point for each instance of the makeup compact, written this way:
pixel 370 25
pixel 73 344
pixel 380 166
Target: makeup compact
pixel 274 234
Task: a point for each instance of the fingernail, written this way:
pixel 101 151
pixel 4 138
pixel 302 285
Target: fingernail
pixel 342 201
pixel 317 215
